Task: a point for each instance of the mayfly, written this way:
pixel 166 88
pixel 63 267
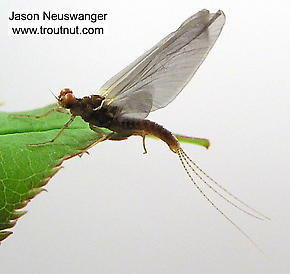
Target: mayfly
pixel 149 83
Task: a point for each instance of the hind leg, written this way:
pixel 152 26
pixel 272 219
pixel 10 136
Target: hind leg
pixel 104 135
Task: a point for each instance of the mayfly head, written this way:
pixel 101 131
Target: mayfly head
pixel 66 98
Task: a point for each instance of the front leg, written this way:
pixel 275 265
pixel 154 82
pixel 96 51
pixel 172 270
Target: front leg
pixel 61 110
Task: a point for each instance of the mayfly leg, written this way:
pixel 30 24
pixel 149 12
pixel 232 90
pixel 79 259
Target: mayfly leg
pixel 61 110
pixel 143 142
pixel 104 135
pixel 66 125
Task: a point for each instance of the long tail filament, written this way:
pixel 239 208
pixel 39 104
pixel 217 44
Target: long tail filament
pixel 189 165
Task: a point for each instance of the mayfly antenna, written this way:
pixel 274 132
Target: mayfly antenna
pixel 53 95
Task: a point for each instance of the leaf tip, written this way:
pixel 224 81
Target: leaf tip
pixel 17 214
pixel 4 235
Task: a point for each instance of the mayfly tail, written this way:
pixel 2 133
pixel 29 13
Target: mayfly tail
pixel 185 162
pixel 186 158
pixel 224 189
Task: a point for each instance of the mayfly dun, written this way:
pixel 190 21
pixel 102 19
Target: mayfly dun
pixel 149 83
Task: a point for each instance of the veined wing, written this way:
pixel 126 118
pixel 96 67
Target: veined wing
pixel 156 78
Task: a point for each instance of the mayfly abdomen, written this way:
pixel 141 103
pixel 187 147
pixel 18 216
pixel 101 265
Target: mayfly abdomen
pixel 147 127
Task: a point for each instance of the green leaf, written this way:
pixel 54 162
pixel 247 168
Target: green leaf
pixel 24 170
pixel 193 140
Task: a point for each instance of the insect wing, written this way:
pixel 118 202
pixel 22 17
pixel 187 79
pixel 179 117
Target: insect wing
pixel 153 80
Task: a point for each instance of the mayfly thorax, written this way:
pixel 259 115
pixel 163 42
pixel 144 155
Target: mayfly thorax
pixel 149 83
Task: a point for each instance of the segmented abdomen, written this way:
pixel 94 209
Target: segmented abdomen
pixel 147 127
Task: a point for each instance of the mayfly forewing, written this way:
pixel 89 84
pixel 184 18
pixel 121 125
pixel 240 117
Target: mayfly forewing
pixel 166 68
pixel 137 104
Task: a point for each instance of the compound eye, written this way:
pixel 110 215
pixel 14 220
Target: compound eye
pixel 65 91
pixel 68 99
